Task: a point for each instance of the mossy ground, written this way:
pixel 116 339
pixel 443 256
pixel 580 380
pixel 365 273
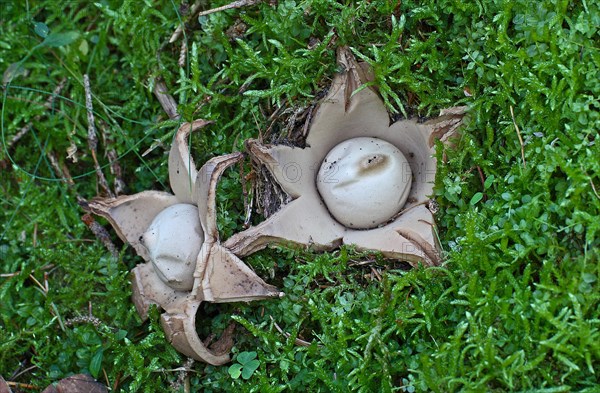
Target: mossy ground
pixel 514 308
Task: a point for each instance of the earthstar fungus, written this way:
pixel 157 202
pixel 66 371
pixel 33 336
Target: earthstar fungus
pixel 177 236
pixel 360 180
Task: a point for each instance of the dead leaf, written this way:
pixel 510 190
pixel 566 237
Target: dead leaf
pixel 79 383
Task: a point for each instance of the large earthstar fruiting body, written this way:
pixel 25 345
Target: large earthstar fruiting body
pixel 340 182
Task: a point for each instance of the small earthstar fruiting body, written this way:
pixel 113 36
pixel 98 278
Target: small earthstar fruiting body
pixel 177 236
pixel 173 240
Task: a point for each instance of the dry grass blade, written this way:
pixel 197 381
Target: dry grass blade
pixel 512 114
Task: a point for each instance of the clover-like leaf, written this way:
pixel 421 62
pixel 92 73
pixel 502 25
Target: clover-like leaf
pixel 246 357
pixel 250 368
pixel 235 370
pixel 246 365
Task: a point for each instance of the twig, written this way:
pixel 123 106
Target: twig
pixel 297 341
pixel 19 385
pixel 92 138
pixel 39 284
pixel 247 204
pixel 167 102
pixel 18 373
pixel 361 263
pixel 182 55
pixel 101 233
pixel 376 273
pixel 113 158
pixel 512 114
pixel 62 171
pixel 179 29
pixel 105 376
pixel 235 4
pixel 8 275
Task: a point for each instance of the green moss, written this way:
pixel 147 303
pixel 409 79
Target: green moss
pixel 515 307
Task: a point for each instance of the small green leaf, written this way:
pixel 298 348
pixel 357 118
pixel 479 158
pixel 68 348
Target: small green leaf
pixel 41 29
pixel 476 198
pixel 84 47
pixel 55 40
pixel 121 334
pixel 589 278
pixel 250 368
pixel 235 370
pixel 245 357
pixel 488 182
pixel 96 363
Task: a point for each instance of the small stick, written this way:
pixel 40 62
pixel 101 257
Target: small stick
pixel 59 170
pixel 182 55
pixel 167 101
pixel 101 233
pixel 105 377
pixel 247 205
pixel 512 114
pixel 113 158
pixel 19 385
pixel 8 275
pixel 18 373
pixel 376 273
pixel 115 169
pixel 39 284
pixel 297 341
pixel 92 138
pixel 179 29
pixel 361 263
pixel 235 4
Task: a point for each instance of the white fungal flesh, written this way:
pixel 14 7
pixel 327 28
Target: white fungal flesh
pixel 173 240
pixel 364 182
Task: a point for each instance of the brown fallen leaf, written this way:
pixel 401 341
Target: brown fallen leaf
pixel 4 388
pixel 79 383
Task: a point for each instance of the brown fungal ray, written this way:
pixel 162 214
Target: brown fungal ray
pixel 223 277
pixel 180 330
pixel 182 170
pixel 130 215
